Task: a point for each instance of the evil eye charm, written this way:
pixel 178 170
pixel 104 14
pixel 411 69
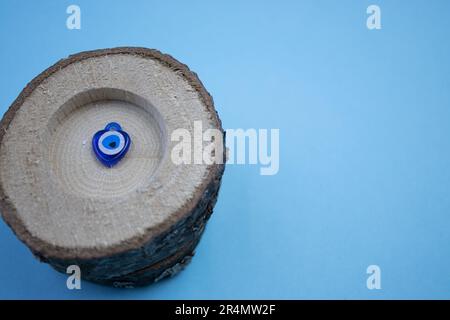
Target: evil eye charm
pixel 111 144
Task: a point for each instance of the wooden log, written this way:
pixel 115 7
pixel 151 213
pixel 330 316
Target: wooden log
pixel 127 225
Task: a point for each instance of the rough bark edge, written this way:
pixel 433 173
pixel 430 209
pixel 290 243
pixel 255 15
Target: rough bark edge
pixel 158 259
pixel 45 250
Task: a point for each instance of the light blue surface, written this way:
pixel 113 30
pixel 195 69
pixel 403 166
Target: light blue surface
pixel 364 119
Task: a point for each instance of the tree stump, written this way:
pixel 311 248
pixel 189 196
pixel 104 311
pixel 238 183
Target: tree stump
pixel 126 225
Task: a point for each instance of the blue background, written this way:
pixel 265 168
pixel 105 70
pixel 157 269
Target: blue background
pixel 364 119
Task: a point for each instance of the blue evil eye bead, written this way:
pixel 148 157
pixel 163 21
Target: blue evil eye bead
pixel 111 144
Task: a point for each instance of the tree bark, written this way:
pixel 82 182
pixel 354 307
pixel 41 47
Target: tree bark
pixel 28 166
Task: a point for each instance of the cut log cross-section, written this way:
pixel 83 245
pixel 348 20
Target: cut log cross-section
pixel 127 225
